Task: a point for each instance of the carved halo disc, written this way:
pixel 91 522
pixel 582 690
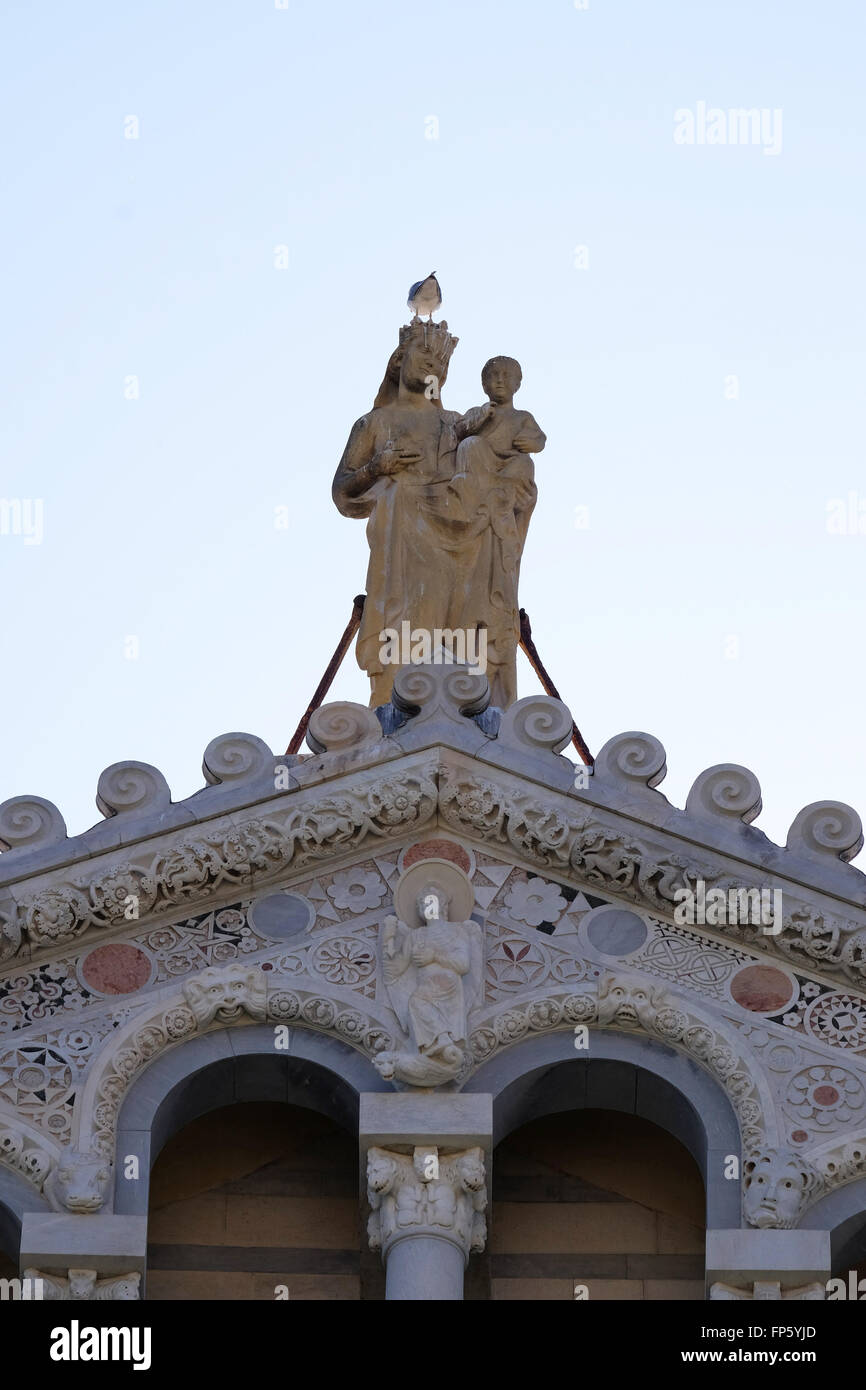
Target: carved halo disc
pixel 434 873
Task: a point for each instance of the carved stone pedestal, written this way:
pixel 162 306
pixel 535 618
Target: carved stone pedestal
pixel 85 1257
pixel 768 1264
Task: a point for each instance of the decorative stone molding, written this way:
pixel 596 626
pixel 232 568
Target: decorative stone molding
pixel 193 869
pixel 763 1290
pixel 429 1194
pixel 726 791
pixel 631 1003
pixel 84 1285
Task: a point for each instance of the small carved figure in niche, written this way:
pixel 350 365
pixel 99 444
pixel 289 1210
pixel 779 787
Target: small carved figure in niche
pixel 431 968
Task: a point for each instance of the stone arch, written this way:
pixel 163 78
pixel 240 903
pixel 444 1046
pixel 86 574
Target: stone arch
pixel 630 1073
pixel 231 1066
pixel 172 1019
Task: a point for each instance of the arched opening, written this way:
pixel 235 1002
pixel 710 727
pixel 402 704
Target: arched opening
pixel 257 1201
pixel 595 1204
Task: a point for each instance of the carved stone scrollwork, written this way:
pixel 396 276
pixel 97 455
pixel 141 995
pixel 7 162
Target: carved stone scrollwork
pixel 84 1285
pixel 430 1194
pixel 428 692
pixel 725 792
pixel 236 758
pixel 634 760
pixel 30 822
pixel 340 725
pixel 131 788
pixel 537 722
pixel 827 830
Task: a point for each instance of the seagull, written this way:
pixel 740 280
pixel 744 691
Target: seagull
pixel 425 296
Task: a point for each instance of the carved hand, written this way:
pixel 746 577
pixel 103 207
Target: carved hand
pixel 390 461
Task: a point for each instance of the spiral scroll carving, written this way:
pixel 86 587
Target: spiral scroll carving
pixel 30 821
pixel 236 758
pixel 633 759
pixel 342 724
pixel 136 787
pixel 725 792
pixel 538 721
pixel 827 829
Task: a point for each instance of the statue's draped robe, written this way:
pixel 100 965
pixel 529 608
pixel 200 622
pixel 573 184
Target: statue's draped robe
pixel 444 550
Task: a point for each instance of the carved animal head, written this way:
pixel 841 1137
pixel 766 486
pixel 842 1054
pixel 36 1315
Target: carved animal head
pixel 79 1182
pixel 225 992
pixel 381 1171
pixel 470 1169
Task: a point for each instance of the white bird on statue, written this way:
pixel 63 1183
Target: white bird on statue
pixel 425 296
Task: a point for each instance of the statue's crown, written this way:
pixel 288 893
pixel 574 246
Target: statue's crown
pixel 433 335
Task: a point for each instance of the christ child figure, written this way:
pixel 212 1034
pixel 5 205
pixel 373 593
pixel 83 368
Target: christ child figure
pixel 509 435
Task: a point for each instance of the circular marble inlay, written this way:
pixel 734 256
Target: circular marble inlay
pixel 614 931
pixel 437 849
pixel 825 1095
pixel 763 989
pixel 799 1136
pixel 282 915
pixel 116 969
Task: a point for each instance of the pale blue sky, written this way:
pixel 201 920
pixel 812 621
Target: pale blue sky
pixel 306 127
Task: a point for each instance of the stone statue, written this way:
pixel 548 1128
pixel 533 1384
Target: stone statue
pixel 432 969
pixel 447 501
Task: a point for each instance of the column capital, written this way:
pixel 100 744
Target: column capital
pixel 429 1194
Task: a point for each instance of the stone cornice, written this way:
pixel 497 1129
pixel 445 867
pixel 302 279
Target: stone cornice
pixel 447 761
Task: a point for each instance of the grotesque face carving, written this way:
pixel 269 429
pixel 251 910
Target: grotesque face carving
pixel 226 992
pixel 777 1187
pixel 381 1171
pixel 80 1182
pixel 627 1003
pixel 470 1169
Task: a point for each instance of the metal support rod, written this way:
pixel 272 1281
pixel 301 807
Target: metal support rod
pixel 537 665
pixel 352 626
pixel 330 672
